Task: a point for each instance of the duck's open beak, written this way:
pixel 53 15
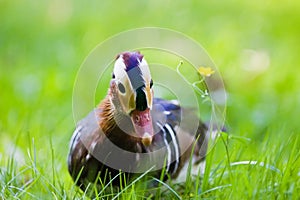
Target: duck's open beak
pixel 142 123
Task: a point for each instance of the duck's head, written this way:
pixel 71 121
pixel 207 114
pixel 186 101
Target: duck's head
pixel 132 94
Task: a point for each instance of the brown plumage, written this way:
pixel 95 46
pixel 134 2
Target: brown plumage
pixel 116 135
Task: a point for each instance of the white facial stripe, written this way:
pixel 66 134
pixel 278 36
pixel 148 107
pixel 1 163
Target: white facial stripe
pixel 120 73
pixel 119 68
pixel 122 77
pixel 145 70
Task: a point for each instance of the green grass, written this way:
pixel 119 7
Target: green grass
pixel 43 44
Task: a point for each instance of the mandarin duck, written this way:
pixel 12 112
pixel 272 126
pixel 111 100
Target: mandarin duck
pixel 129 123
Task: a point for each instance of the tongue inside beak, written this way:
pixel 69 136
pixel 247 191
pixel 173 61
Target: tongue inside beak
pixel 142 123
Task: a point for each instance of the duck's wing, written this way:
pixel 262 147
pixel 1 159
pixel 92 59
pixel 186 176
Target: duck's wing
pixel 82 166
pixel 182 131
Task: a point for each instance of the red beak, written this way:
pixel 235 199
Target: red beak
pixel 142 123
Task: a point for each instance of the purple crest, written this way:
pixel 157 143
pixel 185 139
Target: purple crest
pixel 132 59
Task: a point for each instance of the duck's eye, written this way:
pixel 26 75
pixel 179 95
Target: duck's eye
pixel 151 83
pixel 121 88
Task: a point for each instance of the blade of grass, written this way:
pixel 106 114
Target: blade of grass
pixel 208 166
pixel 215 188
pixel 133 182
pixel 169 188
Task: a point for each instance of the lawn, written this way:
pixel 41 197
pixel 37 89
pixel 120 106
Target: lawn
pixel 254 44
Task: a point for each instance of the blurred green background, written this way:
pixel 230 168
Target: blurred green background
pixel 255 44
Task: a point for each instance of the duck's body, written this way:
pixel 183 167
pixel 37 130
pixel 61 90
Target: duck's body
pixel 111 139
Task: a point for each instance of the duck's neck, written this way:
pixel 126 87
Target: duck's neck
pixel 116 125
pixel 106 116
